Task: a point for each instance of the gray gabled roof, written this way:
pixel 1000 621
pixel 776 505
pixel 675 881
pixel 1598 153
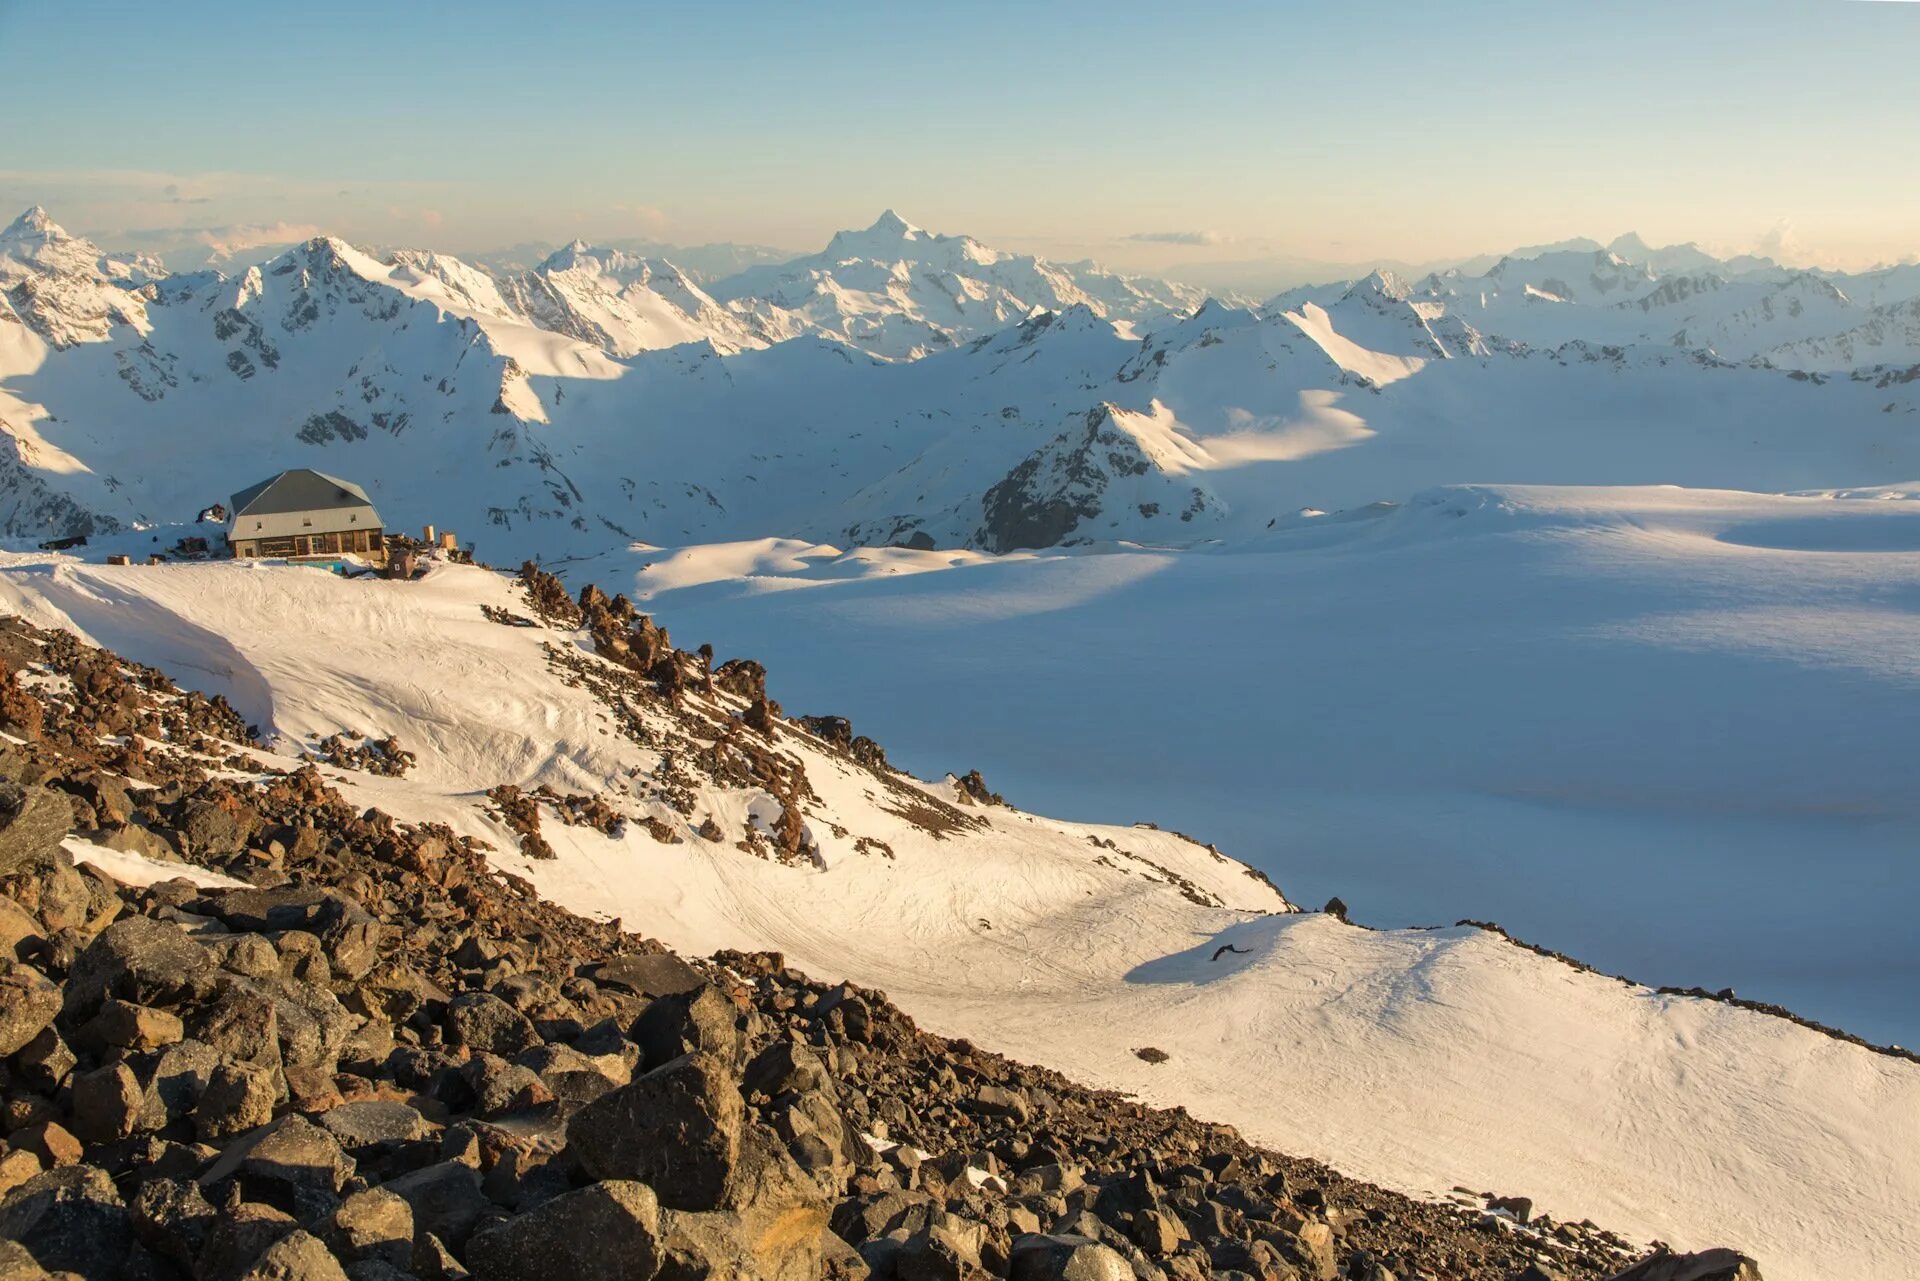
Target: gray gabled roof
pixel 299 490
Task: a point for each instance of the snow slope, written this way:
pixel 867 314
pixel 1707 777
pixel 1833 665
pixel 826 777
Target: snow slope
pixel 1619 722
pixel 1420 1058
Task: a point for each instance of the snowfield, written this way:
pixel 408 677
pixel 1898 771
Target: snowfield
pixel 1419 1058
pixel 1666 731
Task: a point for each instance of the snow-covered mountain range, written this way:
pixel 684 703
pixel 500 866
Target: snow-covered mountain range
pixel 908 387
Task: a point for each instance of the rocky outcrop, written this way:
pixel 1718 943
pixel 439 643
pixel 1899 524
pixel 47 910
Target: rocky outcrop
pixel 1059 493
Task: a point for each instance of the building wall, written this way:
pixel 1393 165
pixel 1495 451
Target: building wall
pixel 360 541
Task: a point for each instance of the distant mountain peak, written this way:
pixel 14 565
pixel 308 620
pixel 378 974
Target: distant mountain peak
pixel 35 222
pixel 1385 283
pixel 890 223
pixel 888 237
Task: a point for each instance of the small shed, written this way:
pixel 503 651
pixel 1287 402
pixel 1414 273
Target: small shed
pixel 302 512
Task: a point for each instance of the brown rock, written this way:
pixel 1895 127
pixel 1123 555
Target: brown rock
pixel 298 1256
pixel 107 1103
pixel 238 1097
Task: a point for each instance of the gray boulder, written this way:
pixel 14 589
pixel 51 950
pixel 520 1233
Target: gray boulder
pixel 446 1199
pixel 28 1003
pixel 1707 1265
pixel 70 1219
pixel 1065 1257
pixel 482 1021
pixel 141 960
pixel 648 974
pixel 607 1232
pixel 702 1021
pixel 33 822
pixel 372 1125
pixel 676 1129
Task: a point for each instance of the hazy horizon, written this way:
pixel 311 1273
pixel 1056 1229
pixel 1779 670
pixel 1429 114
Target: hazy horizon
pixel 1174 148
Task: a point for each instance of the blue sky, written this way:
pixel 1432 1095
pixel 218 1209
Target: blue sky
pixel 1351 131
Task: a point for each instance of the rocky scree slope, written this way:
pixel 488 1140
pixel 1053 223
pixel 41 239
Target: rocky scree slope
pixel 254 1032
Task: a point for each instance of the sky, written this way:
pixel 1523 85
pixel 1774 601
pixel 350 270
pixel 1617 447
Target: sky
pixel 1148 136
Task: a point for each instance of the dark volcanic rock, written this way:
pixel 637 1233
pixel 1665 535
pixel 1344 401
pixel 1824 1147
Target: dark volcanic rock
pixel 677 1129
pixel 141 960
pixel 1708 1265
pixel 70 1220
pixel 28 1003
pixel 607 1232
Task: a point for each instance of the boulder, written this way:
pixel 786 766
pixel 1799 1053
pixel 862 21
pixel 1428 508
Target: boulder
pixel 648 974
pixel 702 1020
pixel 997 1100
pixel 860 1219
pixel 575 1079
pixel 174 1080
pixel 501 1088
pixel 785 1067
pixel 245 954
pixel 70 1219
pixel 947 1249
pixel 482 1021
pixel 107 1103
pixel 312 1024
pixel 297 1256
pixel 1707 1265
pixel 676 1129
pixel 446 1200
pixel 1308 1244
pixel 172 1217
pixel 21 934
pixel 211 830
pixel 17 1165
pixel 28 1003
pixel 45 1062
pixel 371 1225
pixel 756 1244
pixel 1065 1257
pixel 141 960
pixel 238 1097
pixel 607 1232
pixel 291 1164
pixel 240 1235
pixel 125 1026
pixel 52 1142
pixel 242 1024
pixel 33 822
pixel 372 1125
pixel 819 1138
pixel 17 1265
pixel 311 908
